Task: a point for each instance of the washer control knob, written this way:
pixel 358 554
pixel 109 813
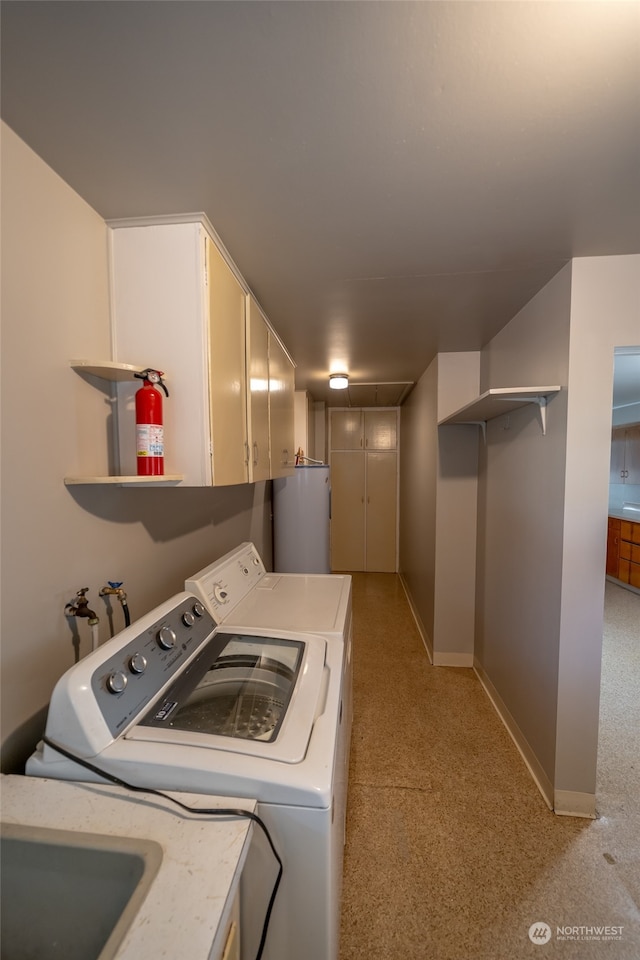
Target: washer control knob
pixel 220 593
pixel 137 663
pixel 166 638
pixel 198 609
pixel 188 618
pixel 116 682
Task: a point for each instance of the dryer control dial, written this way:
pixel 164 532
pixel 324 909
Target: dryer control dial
pixel 188 618
pixel 166 638
pixel 198 609
pixel 220 594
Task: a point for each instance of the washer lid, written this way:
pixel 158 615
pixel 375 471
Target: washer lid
pixel 256 695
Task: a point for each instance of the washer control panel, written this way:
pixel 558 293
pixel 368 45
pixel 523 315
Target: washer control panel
pixel 128 680
pixel 223 584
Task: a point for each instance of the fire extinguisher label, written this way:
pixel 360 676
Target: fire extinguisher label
pixel 149 440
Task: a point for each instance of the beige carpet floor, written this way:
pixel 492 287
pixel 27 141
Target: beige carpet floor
pixel 451 852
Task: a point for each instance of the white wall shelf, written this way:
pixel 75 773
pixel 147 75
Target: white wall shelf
pixel 117 373
pixel 166 480
pixel 106 369
pixel 500 400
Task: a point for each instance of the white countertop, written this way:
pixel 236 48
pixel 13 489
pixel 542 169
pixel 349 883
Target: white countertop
pixel 621 514
pixel 189 902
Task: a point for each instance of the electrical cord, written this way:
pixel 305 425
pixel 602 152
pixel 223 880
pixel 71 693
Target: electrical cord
pixel 213 811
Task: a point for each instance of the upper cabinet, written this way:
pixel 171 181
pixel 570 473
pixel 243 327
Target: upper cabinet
pixel 364 489
pixel 270 400
pixel 364 429
pixel 257 392
pixel 625 454
pixel 227 370
pixel 177 298
pixel 281 408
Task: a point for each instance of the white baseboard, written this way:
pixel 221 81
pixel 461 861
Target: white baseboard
pixel 416 616
pixel 619 583
pixel 540 778
pixel 435 658
pixel 453 659
pixel 569 803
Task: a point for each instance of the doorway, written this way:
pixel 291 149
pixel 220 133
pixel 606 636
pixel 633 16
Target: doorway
pixel 618 786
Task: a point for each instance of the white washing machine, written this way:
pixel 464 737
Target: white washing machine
pixel 239 593
pixel 180 702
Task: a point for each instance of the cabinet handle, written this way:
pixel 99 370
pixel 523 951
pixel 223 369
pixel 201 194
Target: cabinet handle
pixel 255 453
pixel 246 452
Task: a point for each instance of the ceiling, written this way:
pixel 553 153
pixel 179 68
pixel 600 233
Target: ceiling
pixel 393 178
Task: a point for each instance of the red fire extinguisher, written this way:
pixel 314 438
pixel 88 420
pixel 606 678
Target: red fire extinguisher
pixel 149 428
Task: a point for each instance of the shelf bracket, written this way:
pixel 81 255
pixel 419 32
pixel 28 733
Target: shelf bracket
pixel 540 402
pixel 542 408
pixel 483 426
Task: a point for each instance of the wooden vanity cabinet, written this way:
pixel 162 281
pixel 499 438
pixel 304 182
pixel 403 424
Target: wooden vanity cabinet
pixel 613 541
pixel 623 551
pixel 629 553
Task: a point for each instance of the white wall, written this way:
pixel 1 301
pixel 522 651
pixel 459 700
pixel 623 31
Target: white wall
pixel 520 513
pixel 56 540
pixel 456 513
pixel 438 502
pixel 605 313
pixel 417 499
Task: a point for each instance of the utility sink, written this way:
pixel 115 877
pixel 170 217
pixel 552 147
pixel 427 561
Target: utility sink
pixel 70 895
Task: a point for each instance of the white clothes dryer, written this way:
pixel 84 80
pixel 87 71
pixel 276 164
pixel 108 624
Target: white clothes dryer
pixel 180 702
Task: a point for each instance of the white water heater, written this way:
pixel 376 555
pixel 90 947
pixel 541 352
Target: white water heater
pixel 301 518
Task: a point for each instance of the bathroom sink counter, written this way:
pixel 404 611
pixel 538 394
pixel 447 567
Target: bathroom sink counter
pixel 189 903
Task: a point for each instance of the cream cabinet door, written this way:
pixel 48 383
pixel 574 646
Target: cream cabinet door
pixel 364 485
pixel 347 510
pixel 281 409
pixel 380 533
pixel 632 455
pixel 380 429
pixel 346 430
pixel 617 455
pixel 257 393
pixel 227 390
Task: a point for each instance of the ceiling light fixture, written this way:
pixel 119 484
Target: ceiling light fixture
pixel 338 381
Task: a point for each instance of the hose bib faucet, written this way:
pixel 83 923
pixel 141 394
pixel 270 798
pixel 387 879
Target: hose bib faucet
pixel 81 608
pixel 114 589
